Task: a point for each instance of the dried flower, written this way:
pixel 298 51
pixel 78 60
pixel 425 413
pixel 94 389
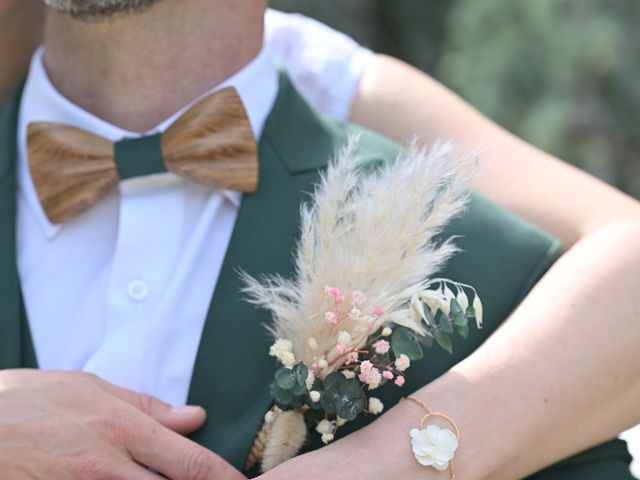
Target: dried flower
pixel 280 347
pixel 402 363
pixel 313 343
pixel 386 332
pixel 314 395
pixel 357 298
pixel 388 374
pixel 327 437
pixel 344 337
pixel 434 446
pixel 399 380
pixel 325 426
pixel 381 347
pixel 348 374
pixel 331 318
pixel 288 359
pixel 477 306
pixel 375 405
pixel 310 379
pixel 463 300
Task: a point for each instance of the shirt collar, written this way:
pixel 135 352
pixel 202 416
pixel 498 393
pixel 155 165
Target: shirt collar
pixel 256 83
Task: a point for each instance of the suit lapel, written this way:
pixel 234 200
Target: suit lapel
pixel 233 370
pixel 11 325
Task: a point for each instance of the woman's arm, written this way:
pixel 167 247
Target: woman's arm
pixel 559 376
pixel 20 32
pixel 546 191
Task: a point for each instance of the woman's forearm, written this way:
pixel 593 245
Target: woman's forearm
pixel 560 376
pixel 546 191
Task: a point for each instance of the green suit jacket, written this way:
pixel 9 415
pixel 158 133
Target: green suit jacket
pixel 503 257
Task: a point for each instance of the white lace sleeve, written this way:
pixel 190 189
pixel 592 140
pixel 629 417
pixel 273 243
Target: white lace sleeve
pixel 325 65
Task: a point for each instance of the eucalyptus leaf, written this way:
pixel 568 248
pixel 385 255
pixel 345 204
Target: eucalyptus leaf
pixel 286 378
pixel 404 341
pixel 443 340
pixel 443 323
pixel 283 398
pixel 425 340
pixel 463 330
pixel 331 392
pixel 351 400
pixel 457 314
pixel 302 372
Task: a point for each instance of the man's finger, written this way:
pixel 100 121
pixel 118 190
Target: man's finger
pixel 99 468
pixel 181 419
pixel 175 456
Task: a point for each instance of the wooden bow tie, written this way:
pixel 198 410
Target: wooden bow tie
pixel 212 144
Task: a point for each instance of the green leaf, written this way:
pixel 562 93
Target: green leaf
pixel 443 340
pixel 302 372
pixel 429 320
pixel 286 378
pixel 333 378
pixel 404 341
pixel 463 330
pixel 332 392
pixel 443 322
pixel 457 314
pixel 351 400
pixel 298 389
pixel 283 398
pixel 425 340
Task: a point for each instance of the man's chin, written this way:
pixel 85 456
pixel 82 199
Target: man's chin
pixel 96 9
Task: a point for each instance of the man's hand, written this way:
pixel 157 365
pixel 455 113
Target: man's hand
pixel 72 426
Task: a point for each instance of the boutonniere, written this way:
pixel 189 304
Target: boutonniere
pixel 364 302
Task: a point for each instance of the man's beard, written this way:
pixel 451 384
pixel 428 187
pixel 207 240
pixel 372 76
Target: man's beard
pixel 99 8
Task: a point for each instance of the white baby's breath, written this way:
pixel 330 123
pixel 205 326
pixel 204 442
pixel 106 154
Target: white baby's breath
pixel 375 405
pixel 325 426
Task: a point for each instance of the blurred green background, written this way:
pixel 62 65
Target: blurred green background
pixel 563 74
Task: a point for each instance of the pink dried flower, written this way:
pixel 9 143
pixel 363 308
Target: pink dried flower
pixel 352 357
pixel 332 291
pixel 366 366
pixel 341 347
pixel 358 298
pixel 381 347
pixel 388 374
pixel 331 317
pixel 378 311
pixel 340 299
pixel 399 380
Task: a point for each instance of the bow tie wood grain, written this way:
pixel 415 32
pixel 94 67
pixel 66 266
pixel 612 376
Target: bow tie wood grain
pixel 212 143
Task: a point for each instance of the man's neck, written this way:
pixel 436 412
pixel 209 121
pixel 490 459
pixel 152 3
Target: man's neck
pixel 135 70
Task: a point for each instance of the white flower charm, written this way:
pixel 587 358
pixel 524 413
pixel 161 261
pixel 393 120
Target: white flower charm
pixel 434 446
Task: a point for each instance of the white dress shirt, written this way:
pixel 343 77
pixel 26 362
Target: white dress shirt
pixel 123 290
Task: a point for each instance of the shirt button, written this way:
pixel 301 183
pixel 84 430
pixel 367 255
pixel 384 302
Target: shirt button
pixel 138 290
